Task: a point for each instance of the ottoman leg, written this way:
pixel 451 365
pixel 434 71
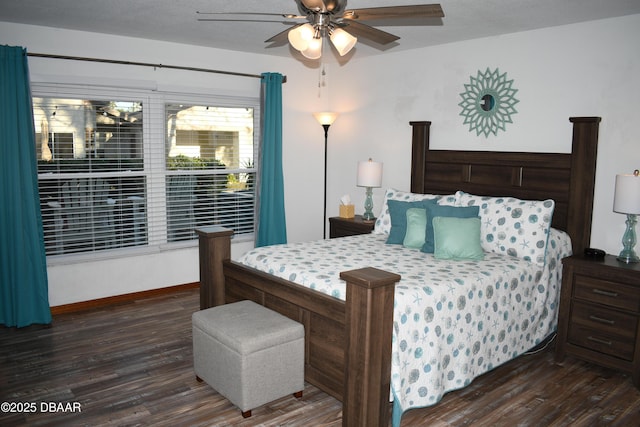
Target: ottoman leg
pixel 247 414
pixel 199 379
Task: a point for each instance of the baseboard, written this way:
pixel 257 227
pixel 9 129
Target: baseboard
pixel 119 299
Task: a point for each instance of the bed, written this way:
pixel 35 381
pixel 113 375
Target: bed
pixel 351 335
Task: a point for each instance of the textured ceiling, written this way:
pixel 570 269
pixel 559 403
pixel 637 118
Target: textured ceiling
pixel 176 21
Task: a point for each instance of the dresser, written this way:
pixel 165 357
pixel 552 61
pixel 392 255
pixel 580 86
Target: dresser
pixel 599 313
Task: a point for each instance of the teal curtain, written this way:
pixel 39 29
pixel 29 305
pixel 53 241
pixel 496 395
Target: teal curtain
pixel 272 228
pixel 24 298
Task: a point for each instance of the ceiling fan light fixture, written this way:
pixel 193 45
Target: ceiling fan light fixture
pixel 342 41
pixel 314 51
pixel 301 36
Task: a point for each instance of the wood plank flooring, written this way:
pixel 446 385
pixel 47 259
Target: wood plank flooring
pixel 131 364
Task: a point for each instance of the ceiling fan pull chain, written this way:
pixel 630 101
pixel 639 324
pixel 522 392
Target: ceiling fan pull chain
pixel 323 73
pixel 321 79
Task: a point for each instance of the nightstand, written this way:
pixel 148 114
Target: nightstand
pixel 341 227
pixel 599 317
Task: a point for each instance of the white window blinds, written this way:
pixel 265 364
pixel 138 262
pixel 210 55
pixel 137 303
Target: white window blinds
pixel 210 169
pixel 120 169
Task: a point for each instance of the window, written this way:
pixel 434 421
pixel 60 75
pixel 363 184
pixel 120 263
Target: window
pixel 90 159
pixel 210 175
pixel 112 174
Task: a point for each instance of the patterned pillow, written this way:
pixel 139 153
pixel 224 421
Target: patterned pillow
pixel 519 228
pixel 383 222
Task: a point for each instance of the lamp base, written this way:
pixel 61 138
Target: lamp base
pixel 628 255
pixel 368 206
pixel 628 259
pixel 368 218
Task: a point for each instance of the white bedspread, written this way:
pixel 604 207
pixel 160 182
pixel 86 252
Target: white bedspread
pixel 453 321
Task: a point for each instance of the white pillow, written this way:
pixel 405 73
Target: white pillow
pixel 383 222
pixel 511 226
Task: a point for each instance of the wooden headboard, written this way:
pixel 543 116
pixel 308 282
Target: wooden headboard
pixel 569 179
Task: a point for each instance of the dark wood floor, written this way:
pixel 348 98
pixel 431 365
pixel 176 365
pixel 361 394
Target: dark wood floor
pixel 131 364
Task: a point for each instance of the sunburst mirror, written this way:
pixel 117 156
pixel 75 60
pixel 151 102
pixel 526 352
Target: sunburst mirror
pixel 488 102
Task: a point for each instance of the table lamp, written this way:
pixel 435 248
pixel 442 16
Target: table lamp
pixel 369 176
pixel 627 201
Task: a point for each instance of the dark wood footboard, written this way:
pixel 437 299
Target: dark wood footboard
pixel 347 343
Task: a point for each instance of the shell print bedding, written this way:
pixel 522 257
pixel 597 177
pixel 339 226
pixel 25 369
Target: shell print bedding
pixel 453 320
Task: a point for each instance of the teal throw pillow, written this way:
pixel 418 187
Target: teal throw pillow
pixel 436 210
pixel 416 224
pixel 398 213
pixel 457 238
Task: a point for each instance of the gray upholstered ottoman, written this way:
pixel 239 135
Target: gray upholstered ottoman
pixel 249 354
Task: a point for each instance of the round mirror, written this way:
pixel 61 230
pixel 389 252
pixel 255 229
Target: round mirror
pixel 488 102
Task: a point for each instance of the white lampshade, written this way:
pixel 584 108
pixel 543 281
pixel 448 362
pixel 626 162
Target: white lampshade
pixel 369 174
pixel 314 51
pixel 627 194
pixel 301 36
pixel 342 41
pixel 326 117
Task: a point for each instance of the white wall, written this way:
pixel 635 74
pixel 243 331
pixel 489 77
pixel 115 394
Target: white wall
pixel 586 69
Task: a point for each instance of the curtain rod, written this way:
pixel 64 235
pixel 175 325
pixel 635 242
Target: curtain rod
pixel 146 64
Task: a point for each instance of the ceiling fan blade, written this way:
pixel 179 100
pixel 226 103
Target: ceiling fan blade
pixel 392 12
pixel 244 20
pixel 281 37
pixel 283 15
pixel 359 29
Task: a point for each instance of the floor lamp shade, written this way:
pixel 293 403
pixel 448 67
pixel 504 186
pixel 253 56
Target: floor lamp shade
pixel 326 117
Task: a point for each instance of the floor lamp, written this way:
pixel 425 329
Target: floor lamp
pixel 326 119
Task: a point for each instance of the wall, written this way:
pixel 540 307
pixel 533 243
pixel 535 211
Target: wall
pixel 588 69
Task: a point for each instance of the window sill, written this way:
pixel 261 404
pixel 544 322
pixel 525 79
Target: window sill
pixel 78 258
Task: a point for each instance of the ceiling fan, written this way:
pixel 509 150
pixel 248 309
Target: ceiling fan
pixel 331 18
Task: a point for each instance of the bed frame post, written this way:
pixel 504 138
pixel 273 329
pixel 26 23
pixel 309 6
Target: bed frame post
pixel 367 365
pixel 214 247
pixel 583 177
pixel 419 149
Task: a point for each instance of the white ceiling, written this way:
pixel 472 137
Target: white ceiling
pixel 176 21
